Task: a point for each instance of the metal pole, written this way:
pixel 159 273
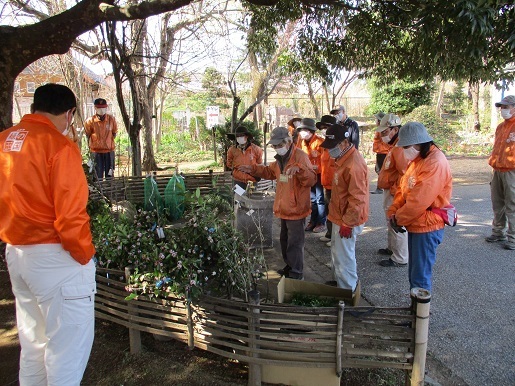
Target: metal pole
pixel 421 301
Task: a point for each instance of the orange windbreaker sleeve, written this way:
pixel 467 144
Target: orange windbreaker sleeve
pixel 252 155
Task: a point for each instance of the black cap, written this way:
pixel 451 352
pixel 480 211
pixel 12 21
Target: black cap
pixel 334 135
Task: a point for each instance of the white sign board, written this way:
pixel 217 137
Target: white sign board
pixel 213 113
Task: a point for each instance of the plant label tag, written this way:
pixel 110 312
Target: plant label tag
pixel 160 233
pixel 249 213
pixel 239 190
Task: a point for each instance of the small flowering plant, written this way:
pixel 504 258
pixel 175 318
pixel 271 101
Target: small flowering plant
pixel 203 255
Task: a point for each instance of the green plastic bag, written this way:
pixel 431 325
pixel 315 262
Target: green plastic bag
pixel 174 197
pixel 153 200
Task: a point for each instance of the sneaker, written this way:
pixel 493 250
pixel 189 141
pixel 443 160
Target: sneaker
pixel 332 283
pixel 495 238
pixel 309 227
pixel 285 271
pixel 377 191
pixel 509 246
pixel 319 228
pixel 328 243
pixel 325 239
pixel 391 263
pixel 295 276
pixel 385 251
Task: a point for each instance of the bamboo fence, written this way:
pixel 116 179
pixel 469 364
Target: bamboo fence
pixel 276 334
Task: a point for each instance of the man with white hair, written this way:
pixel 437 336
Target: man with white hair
pixel 350 125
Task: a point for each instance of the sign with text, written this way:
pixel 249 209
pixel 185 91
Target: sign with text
pixel 213 113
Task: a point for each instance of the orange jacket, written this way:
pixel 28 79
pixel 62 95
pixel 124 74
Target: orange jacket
pixel 503 153
pixel 349 197
pixel 101 133
pixel 394 166
pixel 426 184
pixel 292 195
pixel 252 155
pixel 43 189
pixel 327 166
pixel 379 146
pixel 312 149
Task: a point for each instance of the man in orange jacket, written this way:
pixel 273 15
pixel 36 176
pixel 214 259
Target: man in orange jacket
pixel 502 187
pixel 348 208
pixel 295 177
pixel 381 149
pixel 101 131
pixel 43 220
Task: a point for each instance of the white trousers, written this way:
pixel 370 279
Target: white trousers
pixel 397 242
pixel 343 256
pixel 55 297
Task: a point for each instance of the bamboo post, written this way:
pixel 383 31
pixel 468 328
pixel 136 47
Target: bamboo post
pixel 254 369
pixel 191 334
pixel 134 334
pixel 421 301
pixel 339 338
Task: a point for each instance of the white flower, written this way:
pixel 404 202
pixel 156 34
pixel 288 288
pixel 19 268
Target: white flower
pixel 214 273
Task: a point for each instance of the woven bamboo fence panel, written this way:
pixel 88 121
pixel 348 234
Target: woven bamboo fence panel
pixel 272 334
pixel 132 188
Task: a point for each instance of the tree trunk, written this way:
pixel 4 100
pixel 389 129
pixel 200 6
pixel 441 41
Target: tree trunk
pixel 313 100
pixel 474 92
pixel 439 102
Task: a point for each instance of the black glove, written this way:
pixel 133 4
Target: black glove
pixel 396 228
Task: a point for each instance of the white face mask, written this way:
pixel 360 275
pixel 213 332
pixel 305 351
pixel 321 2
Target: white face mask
pixel 339 116
pixel 241 140
pixel 296 124
pixel 67 130
pixel 386 138
pixel 411 153
pixel 505 113
pixel 305 134
pixel 281 151
pixel 101 111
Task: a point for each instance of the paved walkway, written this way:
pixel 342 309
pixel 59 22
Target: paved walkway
pixel 472 326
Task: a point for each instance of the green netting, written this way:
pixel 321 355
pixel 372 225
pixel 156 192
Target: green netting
pixel 174 197
pixel 153 200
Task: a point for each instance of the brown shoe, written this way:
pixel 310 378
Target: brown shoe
pixel 319 228
pixel 309 227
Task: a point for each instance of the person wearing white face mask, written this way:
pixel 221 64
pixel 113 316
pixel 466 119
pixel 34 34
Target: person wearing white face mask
pixel 43 220
pixel 393 168
pixel 427 184
pixel 244 152
pixel 348 207
pixel 381 148
pixel 295 177
pixel 350 125
pixel 309 141
pixel 101 131
pixel 502 186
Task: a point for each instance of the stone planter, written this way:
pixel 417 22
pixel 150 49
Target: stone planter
pixel 254 218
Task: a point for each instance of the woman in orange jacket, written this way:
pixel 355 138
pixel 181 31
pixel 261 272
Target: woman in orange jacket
pixel 426 184
pixel 244 152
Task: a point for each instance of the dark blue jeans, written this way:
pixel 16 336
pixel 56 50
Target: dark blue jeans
pixel 422 257
pixel 318 215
